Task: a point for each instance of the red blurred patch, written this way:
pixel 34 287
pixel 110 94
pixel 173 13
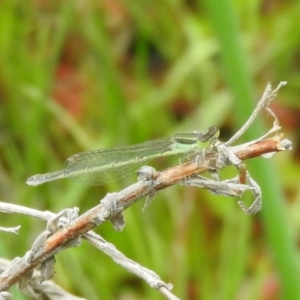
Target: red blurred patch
pixel 68 89
pixel 287 117
pixel 271 288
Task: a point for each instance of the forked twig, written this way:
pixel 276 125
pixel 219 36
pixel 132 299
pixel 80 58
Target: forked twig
pixel 264 102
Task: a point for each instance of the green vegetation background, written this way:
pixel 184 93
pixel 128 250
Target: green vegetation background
pixel 81 75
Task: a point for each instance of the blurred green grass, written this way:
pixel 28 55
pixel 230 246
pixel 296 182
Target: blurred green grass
pixel 77 76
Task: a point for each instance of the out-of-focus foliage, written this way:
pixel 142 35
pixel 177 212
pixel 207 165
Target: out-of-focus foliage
pixel 80 75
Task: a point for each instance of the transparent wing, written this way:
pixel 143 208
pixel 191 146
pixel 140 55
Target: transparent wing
pixel 98 167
